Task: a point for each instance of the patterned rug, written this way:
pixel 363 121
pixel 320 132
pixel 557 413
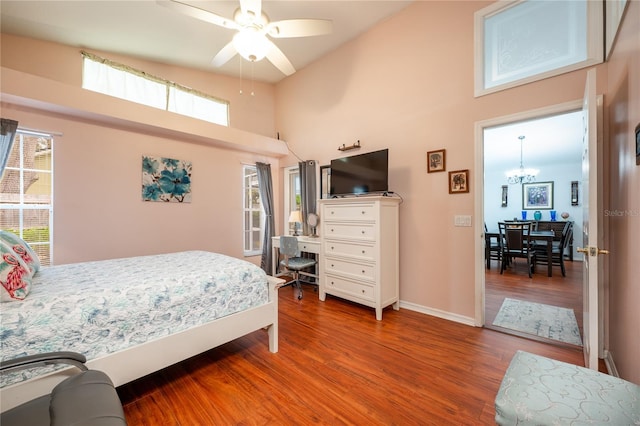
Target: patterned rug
pixel 547 321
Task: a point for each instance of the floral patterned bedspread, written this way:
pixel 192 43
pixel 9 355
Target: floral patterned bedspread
pixel 101 307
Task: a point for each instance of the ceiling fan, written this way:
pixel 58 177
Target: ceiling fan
pixel 253 29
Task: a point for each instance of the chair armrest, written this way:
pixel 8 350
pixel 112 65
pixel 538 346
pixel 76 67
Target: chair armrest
pixel 48 358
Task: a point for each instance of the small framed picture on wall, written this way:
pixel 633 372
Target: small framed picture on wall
pixel 458 181
pixel 436 161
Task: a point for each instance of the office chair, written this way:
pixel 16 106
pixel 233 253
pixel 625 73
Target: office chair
pixel 84 399
pixel 292 261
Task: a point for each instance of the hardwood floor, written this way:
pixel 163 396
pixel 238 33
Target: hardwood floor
pixel 338 365
pixel 515 283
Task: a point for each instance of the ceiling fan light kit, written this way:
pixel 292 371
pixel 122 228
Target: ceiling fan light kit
pixel 253 26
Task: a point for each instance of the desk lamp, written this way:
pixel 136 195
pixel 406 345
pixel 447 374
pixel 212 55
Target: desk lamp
pixel 295 217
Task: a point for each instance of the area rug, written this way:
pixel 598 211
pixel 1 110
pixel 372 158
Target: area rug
pixel 551 322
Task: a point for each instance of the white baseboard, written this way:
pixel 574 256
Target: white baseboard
pixel 438 313
pixel 611 366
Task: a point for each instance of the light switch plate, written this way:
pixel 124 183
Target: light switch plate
pixel 462 220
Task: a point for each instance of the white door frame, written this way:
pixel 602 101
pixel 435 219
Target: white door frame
pixel 479 187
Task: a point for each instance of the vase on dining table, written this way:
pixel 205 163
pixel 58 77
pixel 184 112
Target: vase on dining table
pixel 524 215
pixel 537 215
pixel 552 213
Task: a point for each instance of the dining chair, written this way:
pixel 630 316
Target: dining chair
pixel 492 248
pixel 558 249
pixel 516 244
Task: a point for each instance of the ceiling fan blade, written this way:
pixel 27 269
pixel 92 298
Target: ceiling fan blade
pixel 277 58
pixel 224 55
pixel 253 7
pixel 299 28
pixel 196 12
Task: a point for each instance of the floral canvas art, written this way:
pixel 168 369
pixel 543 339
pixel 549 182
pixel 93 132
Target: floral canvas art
pixel 166 179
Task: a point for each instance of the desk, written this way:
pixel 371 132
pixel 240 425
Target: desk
pixel 305 244
pixel 535 235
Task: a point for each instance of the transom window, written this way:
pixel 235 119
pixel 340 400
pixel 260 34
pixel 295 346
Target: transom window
pixel 114 79
pixel 523 41
pixel 26 192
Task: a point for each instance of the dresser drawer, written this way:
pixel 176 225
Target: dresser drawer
pixel 353 269
pixel 339 249
pixel 353 232
pixel 348 287
pixel 349 212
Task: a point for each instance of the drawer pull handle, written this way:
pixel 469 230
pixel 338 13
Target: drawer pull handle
pixel 332 248
pixel 363 212
pixel 363 271
pixel 362 251
pixel 363 231
pixel 332 265
pixel 362 291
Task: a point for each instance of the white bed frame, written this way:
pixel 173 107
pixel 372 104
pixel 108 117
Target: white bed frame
pixel 138 361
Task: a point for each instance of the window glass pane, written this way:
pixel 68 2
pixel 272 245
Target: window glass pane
pixel 26 193
pixel 256 240
pixel 187 103
pixel 530 40
pixel 121 84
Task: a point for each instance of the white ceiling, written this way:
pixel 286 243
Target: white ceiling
pixel 550 140
pixel 148 30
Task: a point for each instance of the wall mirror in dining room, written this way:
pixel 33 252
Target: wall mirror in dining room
pixel 545 150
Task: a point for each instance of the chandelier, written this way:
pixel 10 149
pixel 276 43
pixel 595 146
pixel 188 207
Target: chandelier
pixel 521 175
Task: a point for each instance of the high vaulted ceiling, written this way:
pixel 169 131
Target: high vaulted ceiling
pixel 148 30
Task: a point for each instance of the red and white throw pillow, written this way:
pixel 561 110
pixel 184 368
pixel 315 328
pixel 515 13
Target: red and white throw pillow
pixel 22 249
pixel 15 275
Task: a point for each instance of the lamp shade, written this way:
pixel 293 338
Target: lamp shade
pixel 295 216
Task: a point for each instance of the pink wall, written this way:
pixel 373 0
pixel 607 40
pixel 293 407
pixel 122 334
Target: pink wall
pixel 623 105
pixel 98 211
pixel 408 85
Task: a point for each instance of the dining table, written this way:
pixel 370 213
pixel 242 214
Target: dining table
pixel 546 236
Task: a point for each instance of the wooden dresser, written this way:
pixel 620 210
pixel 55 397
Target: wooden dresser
pixel 360 250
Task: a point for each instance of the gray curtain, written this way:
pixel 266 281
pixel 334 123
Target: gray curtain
pixel 308 192
pixel 7 135
pixel 266 196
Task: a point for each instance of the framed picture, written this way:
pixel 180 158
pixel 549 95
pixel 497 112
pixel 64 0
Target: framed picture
pixel 458 181
pixel 538 195
pixel 325 181
pixel 436 161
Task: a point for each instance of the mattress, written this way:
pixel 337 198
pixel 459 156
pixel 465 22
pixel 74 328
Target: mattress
pixel 97 308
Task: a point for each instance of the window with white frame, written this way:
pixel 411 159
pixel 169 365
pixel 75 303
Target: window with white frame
pixel 292 194
pixel 26 192
pixel 253 213
pixel 523 41
pixel 121 81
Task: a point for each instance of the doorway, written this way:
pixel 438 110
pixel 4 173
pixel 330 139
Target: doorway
pixel 552 146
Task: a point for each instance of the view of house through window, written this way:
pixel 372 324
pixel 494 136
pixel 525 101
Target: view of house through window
pixel 26 192
pixel 253 221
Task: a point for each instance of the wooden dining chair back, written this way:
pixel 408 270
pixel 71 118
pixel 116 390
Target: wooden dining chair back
pixel 516 244
pixel 492 247
pixel 558 249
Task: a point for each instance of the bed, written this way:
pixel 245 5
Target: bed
pixel 133 316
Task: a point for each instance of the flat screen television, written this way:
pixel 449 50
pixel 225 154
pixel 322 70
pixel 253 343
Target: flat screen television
pixel 360 174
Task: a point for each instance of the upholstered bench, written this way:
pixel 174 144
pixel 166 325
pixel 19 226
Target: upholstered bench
pixel 540 391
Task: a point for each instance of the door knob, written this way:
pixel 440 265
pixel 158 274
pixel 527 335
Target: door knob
pixel 591 251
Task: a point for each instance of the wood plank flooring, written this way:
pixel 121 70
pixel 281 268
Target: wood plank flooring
pixel 337 365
